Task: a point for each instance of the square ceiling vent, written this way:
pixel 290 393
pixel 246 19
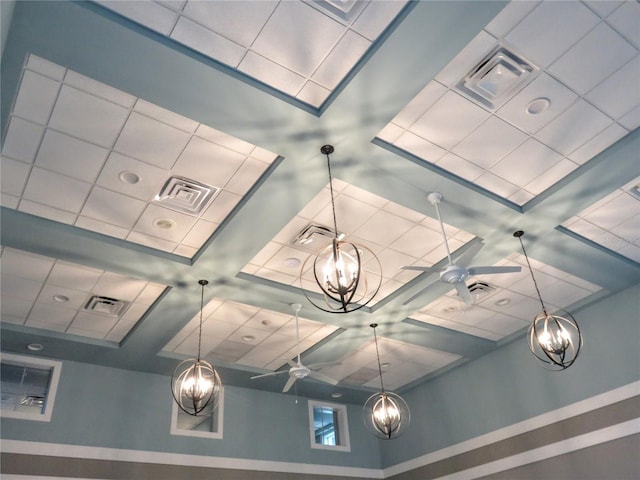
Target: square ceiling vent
pixel 314 236
pixel 185 195
pixel 497 77
pixel 111 307
pixel 344 9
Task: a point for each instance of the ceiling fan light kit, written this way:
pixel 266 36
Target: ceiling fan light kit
pixel 385 414
pixel 554 338
pixel 338 267
pixel 195 384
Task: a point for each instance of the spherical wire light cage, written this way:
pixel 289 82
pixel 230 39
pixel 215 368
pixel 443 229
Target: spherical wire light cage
pixel 195 384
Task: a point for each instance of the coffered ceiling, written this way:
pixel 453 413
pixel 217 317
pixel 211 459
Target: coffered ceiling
pixel 147 145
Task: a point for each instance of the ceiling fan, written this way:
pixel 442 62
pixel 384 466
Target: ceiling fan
pixel 456 273
pixel 298 371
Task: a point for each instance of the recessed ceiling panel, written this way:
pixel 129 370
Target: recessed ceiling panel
pixel 88 155
pixel 577 100
pixel 304 49
pixel 506 303
pixel 397 235
pixel 50 294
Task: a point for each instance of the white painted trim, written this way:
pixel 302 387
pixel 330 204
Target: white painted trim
pixel 578 408
pixel 167 458
pixel 36 362
pixel 343 420
pixel 549 451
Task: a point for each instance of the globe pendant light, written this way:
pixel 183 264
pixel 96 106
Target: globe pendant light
pixel 195 384
pixel 554 339
pixel 338 268
pixel 385 414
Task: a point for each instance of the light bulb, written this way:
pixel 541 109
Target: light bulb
pixel 554 338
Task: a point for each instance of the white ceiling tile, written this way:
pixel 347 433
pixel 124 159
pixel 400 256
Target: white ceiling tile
pixel 17 308
pixel 489 142
pixel 18 287
pixel 210 43
pixel 150 294
pixel 350 48
pixel 626 20
pixel 25 265
pixel 9 201
pixel 118 286
pixel 45 67
pixel 631 251
pixel 419 104
pixel 150 14
pixel 230 142
pixel 22 140
pixel 420 147
pixel 520 197
pixel 574 127
pixel 99 89
pixel 550 29
pixel 101 227
pixel 112 207
pixel 418 241
pixel 496 185
pixel 295 23
pixel 598 143
pixel 36 97
pixel 543 86
pixel 166 116
pixel 46 211
pixel 218 328
pixel 503 325
pixel 460 167
pixel 51 295
pixel 616 211
pixel 208 163
pixel 151 141
pixel 100 324
pixel 590 61
pixel 147 223
pixel 278 260
pixel 246 176
pixel 70 156
pixel 526 162
pixel 238 21
pixel 467 59
pixel 233 312
pixel 393 260
pixel 631 120
pixel 276 276
pixel 449 120
pixel 56 190
pixel 551 176
pixel 563 294
pixel 401 211
pixel 313 94
pixel 199 233
pixel 221 206
pixel 350 215
pixel 50 317
pixel 620 92
pixel 268 320
pixel 241 335
pixel 150 178
pixel 262 155
pixel 376 17
pixel 151 241
pixel 73 276
pixel 629 229
pixel 14 176
pixel 271 73
pixel 87 117
pixel 509 17
pixel 384 228
pixel 585 228
pixel 290 230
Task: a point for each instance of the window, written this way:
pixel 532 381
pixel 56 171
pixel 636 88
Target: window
pixel 328 426
pixel 29 387
pixel 209 426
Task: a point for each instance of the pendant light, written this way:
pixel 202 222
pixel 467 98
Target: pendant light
pixel 385 414
pixel 338 269
pixel 195 384
pixel 554 338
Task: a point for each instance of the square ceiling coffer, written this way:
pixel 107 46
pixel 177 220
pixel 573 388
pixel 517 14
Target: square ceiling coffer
pixel 106 306
pixel 185 195
pixel 497 77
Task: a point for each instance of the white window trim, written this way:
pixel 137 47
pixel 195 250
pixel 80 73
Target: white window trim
pixel 191 433
pixel 35 362
pixel 344 426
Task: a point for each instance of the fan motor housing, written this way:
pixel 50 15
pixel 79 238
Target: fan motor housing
pixel 454 274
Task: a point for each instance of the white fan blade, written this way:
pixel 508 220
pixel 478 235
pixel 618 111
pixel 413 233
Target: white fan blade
pixel 492 270
pixel 463 293
pixel 464 259
pixel 289 384
pixel 322 378
pixel 422 269
pixel 323 365
pixel 270 374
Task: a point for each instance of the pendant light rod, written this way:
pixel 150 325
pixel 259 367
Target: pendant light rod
pixel 202 283
pixel 519 234
pixel 375 337
pixel 328 150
